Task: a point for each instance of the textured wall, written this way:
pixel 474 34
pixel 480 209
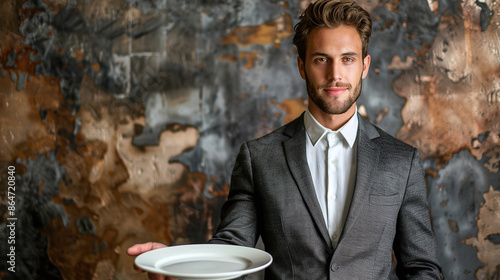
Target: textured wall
pixel 122 119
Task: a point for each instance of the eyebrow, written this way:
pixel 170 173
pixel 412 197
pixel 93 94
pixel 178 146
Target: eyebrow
pixel 350 54
pixel 343 54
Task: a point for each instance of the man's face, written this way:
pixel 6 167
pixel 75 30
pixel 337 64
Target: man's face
pixel 333 69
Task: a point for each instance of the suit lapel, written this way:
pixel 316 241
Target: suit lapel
pixel 295 152
pixel 367 158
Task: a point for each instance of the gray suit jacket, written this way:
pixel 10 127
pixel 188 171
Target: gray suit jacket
pixel 272 196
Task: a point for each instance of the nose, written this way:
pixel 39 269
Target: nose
pixel 334 72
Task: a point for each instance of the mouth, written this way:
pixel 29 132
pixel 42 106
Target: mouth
pixel 335 91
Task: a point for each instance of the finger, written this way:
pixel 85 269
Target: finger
pixel 138 249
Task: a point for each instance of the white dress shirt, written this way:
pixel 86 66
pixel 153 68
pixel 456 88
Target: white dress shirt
pixel 331 156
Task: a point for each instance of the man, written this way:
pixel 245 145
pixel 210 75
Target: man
pixel 331 195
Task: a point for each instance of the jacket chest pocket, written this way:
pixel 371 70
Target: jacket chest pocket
pixel 383 199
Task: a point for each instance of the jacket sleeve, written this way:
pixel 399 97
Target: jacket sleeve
pixel 414 244
pixel 239 213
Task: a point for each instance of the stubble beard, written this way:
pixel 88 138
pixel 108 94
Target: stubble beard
pixel 331 104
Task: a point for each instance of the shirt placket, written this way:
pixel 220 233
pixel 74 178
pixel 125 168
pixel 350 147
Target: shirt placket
pixel 332 189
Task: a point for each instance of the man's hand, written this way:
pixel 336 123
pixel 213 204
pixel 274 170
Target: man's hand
pixel 138 249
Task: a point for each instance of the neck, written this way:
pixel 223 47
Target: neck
pixel 331 121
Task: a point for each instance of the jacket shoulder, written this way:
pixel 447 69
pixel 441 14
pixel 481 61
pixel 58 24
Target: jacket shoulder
pixel 383 139
pixel 280 134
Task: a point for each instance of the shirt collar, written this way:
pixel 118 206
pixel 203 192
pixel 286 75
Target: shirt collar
pixel 316 131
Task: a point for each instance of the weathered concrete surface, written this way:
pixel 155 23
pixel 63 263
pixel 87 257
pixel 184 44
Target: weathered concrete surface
pixel 123 119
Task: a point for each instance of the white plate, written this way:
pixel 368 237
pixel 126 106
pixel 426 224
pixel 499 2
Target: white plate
pixel 204 261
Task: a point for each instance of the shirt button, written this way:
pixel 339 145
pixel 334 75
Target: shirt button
pixel 333 197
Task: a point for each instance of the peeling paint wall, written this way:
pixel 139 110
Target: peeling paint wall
pixel 123 118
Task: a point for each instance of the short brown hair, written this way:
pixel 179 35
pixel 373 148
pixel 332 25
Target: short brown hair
pixel 331 14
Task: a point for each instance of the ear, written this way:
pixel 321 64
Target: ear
pixel 301 66
pixel 366 65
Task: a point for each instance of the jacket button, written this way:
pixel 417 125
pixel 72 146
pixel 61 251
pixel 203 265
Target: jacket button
pixel 334 267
